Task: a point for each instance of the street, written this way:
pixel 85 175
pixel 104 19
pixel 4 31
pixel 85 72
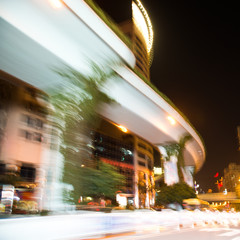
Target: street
pixel 125 225
pixel 197 233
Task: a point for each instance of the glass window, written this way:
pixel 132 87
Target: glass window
pixel 39 124
pixel 141 163
pixel 25 134
pixel 28 173
pixel 141 155
pixel 37 137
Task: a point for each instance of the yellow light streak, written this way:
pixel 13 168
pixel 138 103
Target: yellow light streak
pixel 143 23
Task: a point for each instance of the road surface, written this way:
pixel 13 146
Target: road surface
pixel 196 233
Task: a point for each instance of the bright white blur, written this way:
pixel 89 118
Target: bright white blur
pixel 91 224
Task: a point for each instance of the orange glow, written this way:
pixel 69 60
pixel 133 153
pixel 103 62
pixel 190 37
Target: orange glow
pixel 171 120
pixel 56 3
pixel 122 128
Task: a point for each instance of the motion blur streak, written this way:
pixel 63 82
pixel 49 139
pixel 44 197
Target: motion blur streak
pixel 86 225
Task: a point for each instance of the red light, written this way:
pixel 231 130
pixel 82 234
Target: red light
pixel 216 175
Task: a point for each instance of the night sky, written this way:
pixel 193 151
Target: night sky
pixel 197 65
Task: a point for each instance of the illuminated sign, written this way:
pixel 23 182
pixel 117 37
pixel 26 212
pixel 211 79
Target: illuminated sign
pixel 157 171
pixel 143 23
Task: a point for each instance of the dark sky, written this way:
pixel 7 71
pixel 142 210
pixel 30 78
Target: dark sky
pixel 197 65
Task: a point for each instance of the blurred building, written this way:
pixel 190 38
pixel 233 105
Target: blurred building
pixel 137 27
pixel 231 177
pixel 140 179
pixel 223 201
pixel 134 158
pixel 73 34
pixel 23 117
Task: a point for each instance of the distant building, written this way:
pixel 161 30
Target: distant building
pixel 117 152
pixel 231 177
pixel 133 156
pixel 138 28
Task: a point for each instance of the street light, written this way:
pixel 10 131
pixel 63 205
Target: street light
pixel 171 120
pixel 56 3
pixel 122 128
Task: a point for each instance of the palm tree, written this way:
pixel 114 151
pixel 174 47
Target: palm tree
pixel 76 107
pixel 181 164
pixel 177 149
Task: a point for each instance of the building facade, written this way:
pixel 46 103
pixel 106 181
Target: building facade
pixel 73 34
pixel 24 138
pixel 231 177
pixel 133 157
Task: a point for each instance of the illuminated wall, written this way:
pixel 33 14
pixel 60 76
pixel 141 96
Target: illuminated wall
pixel 143 24
pixel 139 30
